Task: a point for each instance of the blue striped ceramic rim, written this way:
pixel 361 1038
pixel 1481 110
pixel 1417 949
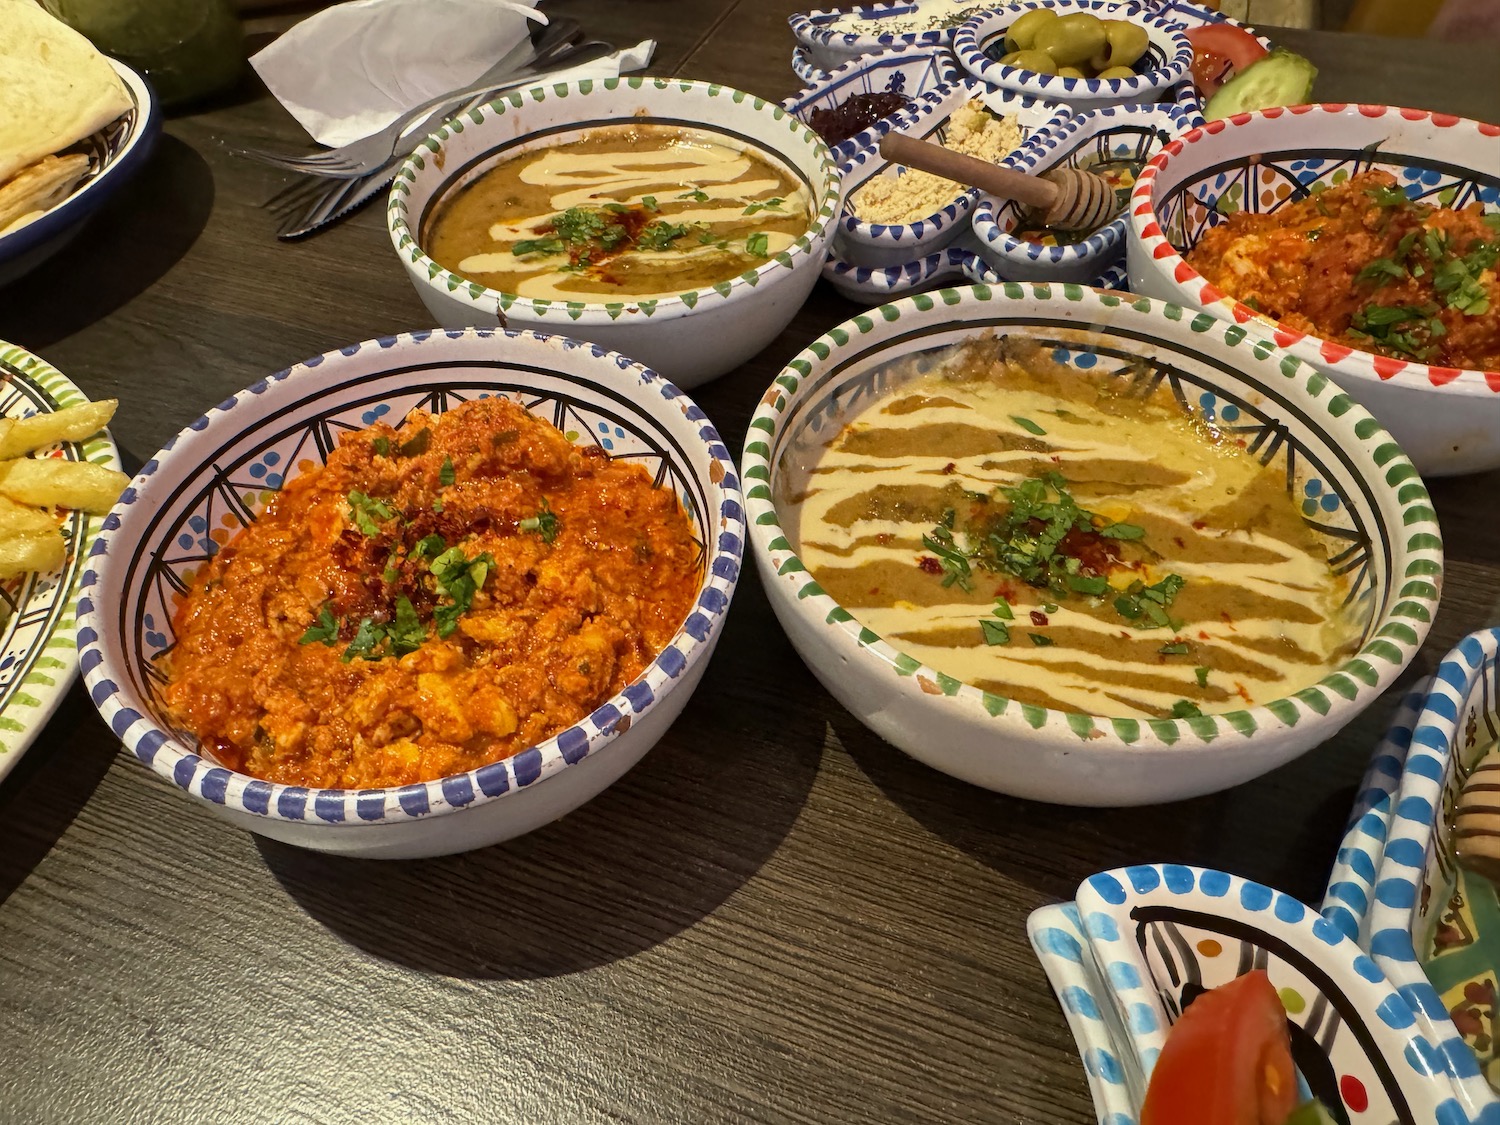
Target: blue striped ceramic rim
pixel 1413 831
pixel 929 69
pixel 1169 67
pixel 152 740
pixel 117 152
pixel 1351 882
pixel 812 28
pixel 1049 148
pixel 1117 906
pixel 882 283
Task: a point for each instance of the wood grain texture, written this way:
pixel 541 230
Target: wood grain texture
pixel 775 918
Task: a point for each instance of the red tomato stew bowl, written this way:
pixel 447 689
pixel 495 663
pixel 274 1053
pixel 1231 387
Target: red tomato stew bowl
pixel 220 473
pixel 1446 418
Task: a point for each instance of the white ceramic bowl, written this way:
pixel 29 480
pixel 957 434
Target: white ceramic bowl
pixel 1167 58
pixel 225 466
pixel 830 37
pixel 1446 419
pixel 1353 480
pixel 865 243
pixel 1133 133
pixel 115 154
pixel 913 74
pixel 689 337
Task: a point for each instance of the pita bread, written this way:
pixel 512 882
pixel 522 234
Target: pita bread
pixel 55 88
pixel 40 186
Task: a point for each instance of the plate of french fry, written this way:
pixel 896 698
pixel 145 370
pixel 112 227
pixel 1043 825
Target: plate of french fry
pixel 59 474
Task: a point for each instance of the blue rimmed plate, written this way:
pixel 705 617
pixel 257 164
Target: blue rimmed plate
pixel 1159 935
pixel 115 154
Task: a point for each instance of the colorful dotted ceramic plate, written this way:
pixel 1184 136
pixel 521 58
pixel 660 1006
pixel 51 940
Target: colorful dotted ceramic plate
pixel 1146 941
pixel 38 655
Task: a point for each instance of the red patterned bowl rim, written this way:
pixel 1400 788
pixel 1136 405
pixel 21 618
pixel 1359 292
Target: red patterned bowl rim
pixel 1196 290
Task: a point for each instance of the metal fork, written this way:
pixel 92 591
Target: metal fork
pixel 368 154
pixel 313 203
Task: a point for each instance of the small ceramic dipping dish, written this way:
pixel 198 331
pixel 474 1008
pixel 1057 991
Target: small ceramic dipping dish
pixel 979 45
pixel 1116 141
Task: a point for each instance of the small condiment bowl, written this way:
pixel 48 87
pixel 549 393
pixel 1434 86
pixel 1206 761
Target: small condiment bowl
pixel 1414 894
pixel 115 154
pixel 1142 943
pixel 689 337
pixel 1447 419
pixel 913 74
pixel 219 472
pixel 1351 479
pixel 864 243
pixel 831 37
pixel 979 46
pixel 1115 133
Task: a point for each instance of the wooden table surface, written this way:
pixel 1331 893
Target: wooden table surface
pixel 775 917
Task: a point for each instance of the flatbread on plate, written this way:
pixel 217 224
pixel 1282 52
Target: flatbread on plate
pixel 39 186
pixel 55 87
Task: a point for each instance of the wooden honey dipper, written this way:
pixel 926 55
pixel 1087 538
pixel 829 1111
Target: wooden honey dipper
pixel 1063 199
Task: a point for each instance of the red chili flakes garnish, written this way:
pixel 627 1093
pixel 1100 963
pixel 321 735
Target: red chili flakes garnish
pixel 1199 525
pixel 884 538
pixel 950 468
pixel 1178 540
pixel 1203 634
pixel 1038 617
pixel 1239 689
pixel 930 565
pixel 1227 619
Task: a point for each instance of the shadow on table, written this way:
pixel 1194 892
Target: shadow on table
pixel 646 859
pixel 1282 829
pixel 49 785
pixel 120 252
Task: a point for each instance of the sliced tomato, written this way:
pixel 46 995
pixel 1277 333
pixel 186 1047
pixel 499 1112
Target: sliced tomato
pixel 1227 1060
pixel 1220 51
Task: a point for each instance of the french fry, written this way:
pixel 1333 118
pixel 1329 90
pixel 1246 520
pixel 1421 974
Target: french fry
pixel 20 554
pixel 74 423
pixel 52 483
pixel 18 519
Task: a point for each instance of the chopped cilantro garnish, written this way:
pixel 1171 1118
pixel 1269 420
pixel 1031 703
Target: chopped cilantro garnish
pixel 1176 648
pixel 757 245
pixel 764 205
pixel 366 510
pixel 1380 271
pixel 458 578
pixel 697 194
pixel 1186 709
pixel 995 632
pixel 649 202
pixel 1387 196
pixel 445 474
pixel 325 629
pixel 537 246
pixel 1150 602
pixel 429 547
pixel 544 523
pixel 1201 674
pixel 1091 586
pixel 953 561
pixel 406 633
pixel 1003 611
pixel 366 641
pixel 416 444
pixel 661 234
pixel 381 446
pixel 1028 425
pixel 1122 531
pixel 1039 639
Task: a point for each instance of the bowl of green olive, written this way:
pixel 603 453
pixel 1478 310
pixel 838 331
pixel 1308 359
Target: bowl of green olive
pixel 1087 53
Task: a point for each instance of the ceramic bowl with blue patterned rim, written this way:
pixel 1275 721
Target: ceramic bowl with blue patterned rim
pixel 1447 419
pixel 1433 927
pixel 1351 880
pixel 806 72
pixel 689 337
pixel 219 472
pixel 1354 484
pixel 115 154
pixel 831 37
pixel 1142 943
pixel 909 74
pixel 38 649
pixel 959 262
pixel 1115 134
pixel 889 244
pixel 980 44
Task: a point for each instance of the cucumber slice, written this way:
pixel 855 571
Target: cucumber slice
pixel 1281 78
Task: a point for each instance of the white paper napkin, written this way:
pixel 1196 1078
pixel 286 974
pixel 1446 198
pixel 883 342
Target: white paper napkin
pixel 352 69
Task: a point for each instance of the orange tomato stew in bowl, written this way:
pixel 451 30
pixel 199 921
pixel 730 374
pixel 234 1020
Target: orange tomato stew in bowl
pixel 1366 266
pixel 433 599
